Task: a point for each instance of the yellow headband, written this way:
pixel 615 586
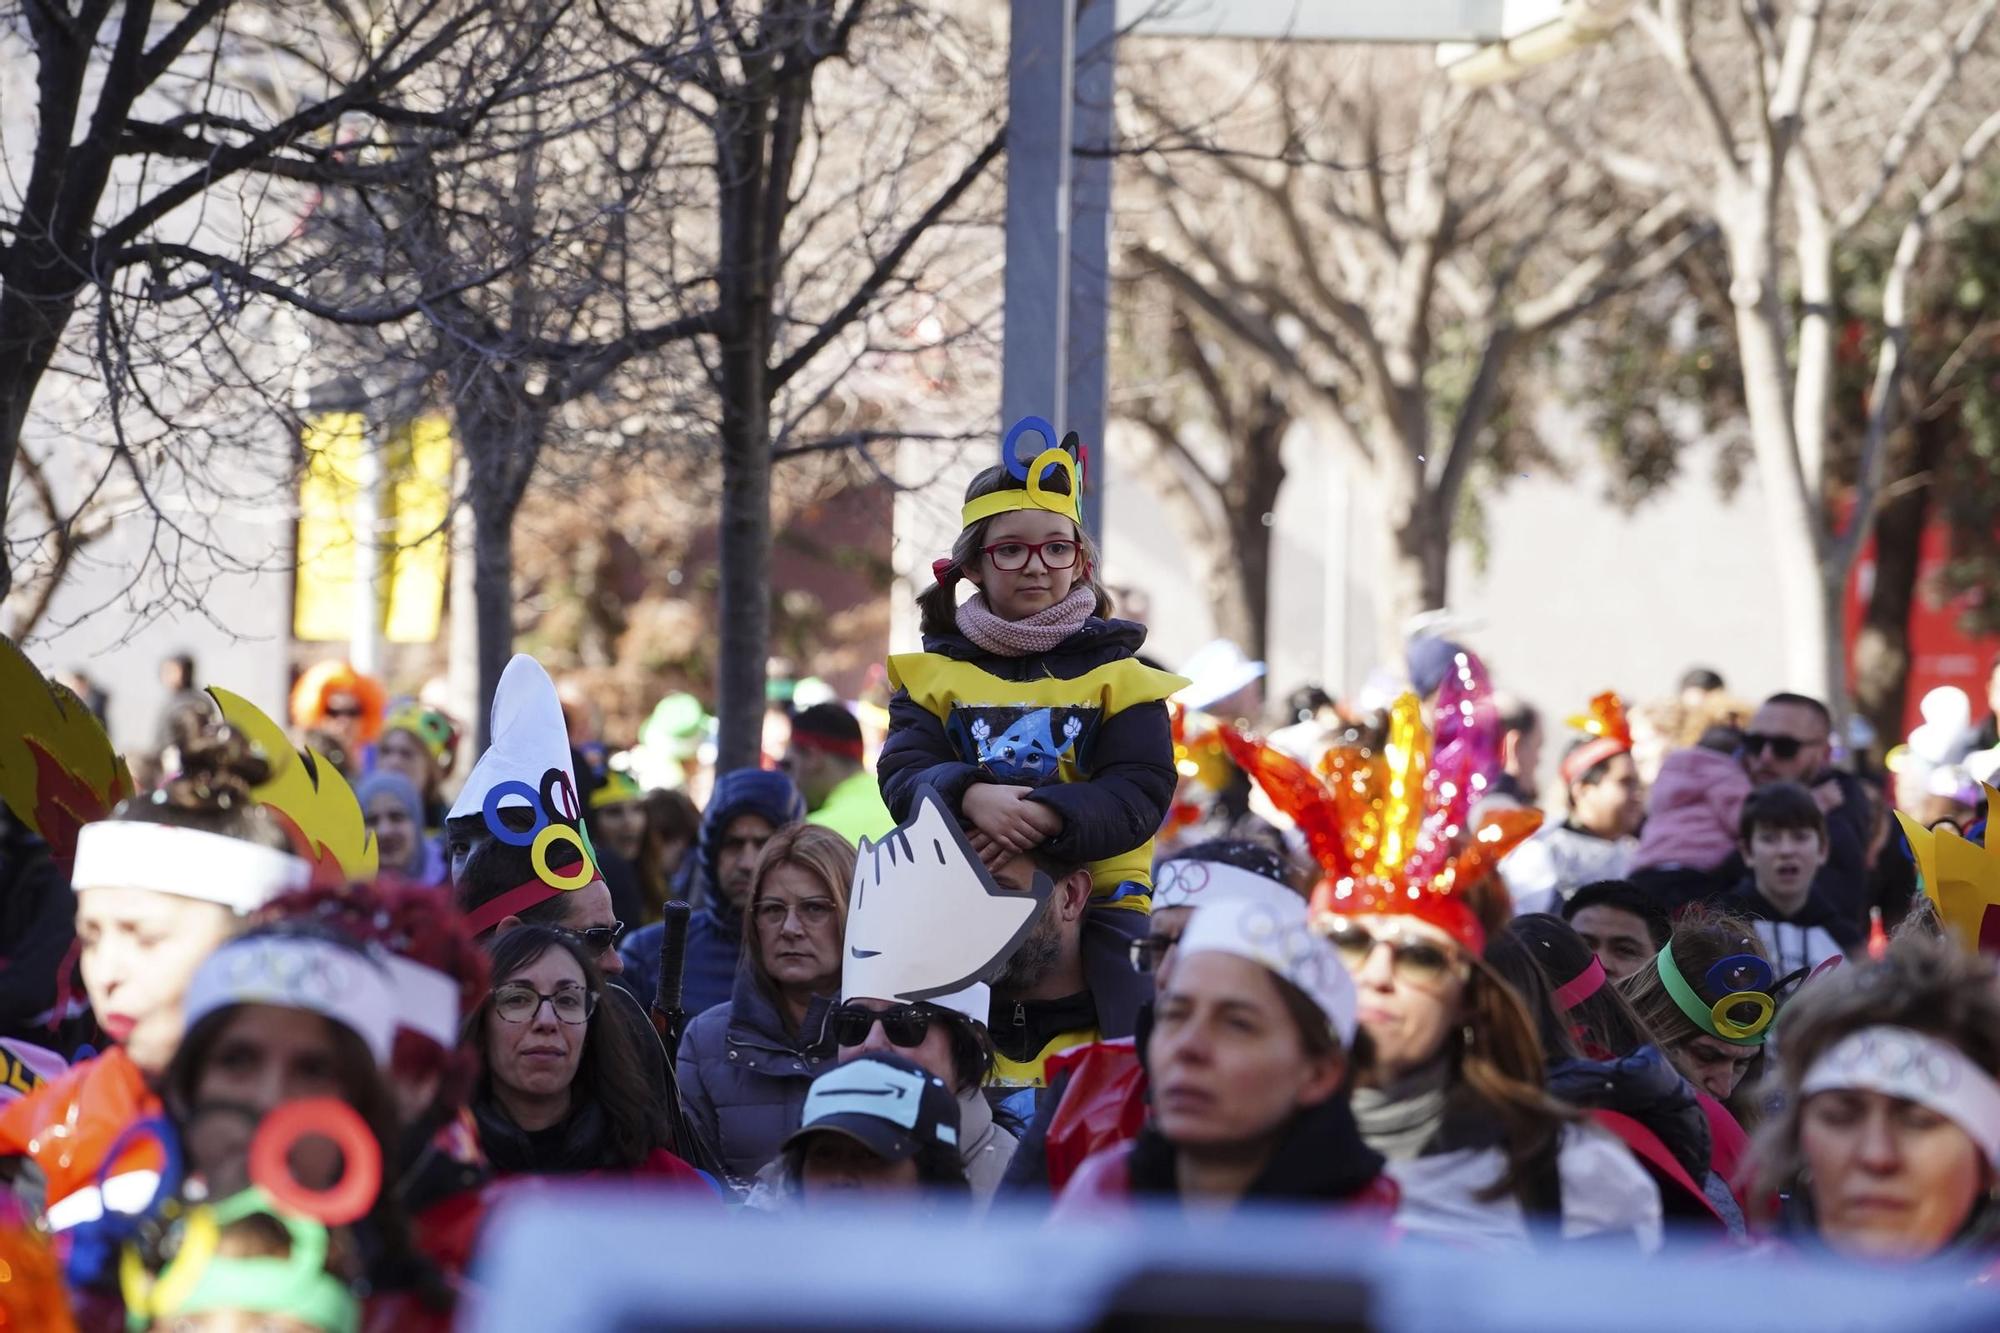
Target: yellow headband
pixel 1036 496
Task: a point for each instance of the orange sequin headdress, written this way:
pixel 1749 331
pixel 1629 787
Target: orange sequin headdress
pixel 1610 734
pixel 1390 827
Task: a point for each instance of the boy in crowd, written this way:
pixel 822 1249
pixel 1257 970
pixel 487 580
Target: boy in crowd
pixel 1783 837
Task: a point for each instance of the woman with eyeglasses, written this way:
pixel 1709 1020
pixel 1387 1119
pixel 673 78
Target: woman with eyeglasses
pixel 1250 1062
pixel 745 1066
pixel 1451 1081
pixel 1886 1146
pixel 563 1091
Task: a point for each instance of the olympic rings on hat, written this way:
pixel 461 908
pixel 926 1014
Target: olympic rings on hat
pixel 1738 972
pixel 490 810
pixel 1732 1029
pixel 582 873
pixel 1016 465
pixel 318 1117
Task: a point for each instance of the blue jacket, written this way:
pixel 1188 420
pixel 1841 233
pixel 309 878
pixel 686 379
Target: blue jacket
pixel 743 1079
pixel 715 934
pixel 1101 754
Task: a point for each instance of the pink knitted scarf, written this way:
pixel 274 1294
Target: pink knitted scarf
pixel 1037 633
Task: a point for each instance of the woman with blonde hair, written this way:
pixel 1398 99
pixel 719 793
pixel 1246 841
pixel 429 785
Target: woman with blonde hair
pixel 745 1066
pixel 1886 1143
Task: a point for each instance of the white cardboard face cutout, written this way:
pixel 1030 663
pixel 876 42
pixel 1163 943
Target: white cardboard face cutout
pixel 924 918
pixel 528 738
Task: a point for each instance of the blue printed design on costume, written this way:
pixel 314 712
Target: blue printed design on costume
pixel 1030 746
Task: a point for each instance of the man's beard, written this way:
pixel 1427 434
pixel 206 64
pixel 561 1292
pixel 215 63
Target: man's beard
pixel 1037 955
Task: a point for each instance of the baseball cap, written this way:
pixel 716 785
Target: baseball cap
pixel 889 1105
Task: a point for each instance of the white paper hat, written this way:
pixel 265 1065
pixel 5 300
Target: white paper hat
pixel 528 739
pixel 1278 938
pixel 300 972
pixel 925 919
pixel 1217 670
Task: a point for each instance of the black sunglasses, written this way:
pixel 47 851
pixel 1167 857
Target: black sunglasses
pixel 905 1025
pixel 597 938
pixel 1781 747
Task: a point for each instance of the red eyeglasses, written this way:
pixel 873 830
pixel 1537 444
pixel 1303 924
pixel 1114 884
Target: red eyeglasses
pixel 1008 557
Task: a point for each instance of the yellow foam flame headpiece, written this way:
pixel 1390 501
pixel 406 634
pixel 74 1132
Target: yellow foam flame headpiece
pixel 1962 880
pixel 308 796
pixel 58 771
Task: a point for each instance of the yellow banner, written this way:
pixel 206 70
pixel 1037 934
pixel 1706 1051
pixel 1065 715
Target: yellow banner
pixel 414 560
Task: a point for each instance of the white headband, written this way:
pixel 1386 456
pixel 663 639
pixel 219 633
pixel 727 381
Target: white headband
pixel 185 862
pixel 426 1000
pixel 1186 883
pixel 1897 1062
pixel 1280 940
pixel 299 972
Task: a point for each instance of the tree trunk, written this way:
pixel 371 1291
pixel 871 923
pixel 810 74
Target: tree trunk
pixel 1882 648
pixel 1253 496
pixel 29 334
pixel 1794 525
pixel 745 610
pixel 1414 574
pixel 493 596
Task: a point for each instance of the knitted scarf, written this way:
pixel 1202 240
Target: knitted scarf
pixel 1037 633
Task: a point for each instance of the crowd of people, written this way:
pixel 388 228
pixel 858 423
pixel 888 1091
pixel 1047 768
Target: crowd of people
pixel 1060 929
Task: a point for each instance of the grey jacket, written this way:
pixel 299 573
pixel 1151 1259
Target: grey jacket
pixel 743 1080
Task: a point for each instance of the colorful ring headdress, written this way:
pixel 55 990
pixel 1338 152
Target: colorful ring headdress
pixel 1066 457
pixel 1736 983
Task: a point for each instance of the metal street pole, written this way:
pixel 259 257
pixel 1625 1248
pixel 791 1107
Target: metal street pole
pixel 1060 71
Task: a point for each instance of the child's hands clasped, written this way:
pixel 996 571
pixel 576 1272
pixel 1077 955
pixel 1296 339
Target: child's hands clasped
pixel 1006 822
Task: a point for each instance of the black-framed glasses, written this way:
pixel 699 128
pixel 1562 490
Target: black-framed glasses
pixel 904 1025
pixel 1146 953
pixel 1411 956
pixel 343 710
pixel 596 938
pixel 1781 747
pixel 518 1002
pixel 1009 557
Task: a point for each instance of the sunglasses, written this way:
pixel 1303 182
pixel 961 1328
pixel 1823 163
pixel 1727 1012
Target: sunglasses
pixel 518 1002
pixel 905 1025
pixel 1411 957
pixel 1010 557
pixel 343 710
pixel 1781 747
pixel 1147 953
pixel 597 938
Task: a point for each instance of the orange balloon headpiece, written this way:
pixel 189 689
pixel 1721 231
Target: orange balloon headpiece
pixel 309 696
pixel 1389 826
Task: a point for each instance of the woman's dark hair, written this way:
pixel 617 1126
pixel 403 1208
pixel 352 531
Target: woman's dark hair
pixel 362 1086
pixel 1500 1073
pixel 1510 956
pixel 211 793
pixel 1603 1021
pixel 938 604
pixel 972 1050
pixel 670 817
pixel 609 1073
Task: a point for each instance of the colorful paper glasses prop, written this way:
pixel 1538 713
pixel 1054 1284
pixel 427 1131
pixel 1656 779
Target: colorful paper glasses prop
pixel 558 820
pixel 95 1243
pixel 1744 983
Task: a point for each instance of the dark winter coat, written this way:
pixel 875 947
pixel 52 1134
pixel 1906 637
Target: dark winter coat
pixel 715 932
pixel 1805 939
pixel 1103 759
pixel 744 1078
